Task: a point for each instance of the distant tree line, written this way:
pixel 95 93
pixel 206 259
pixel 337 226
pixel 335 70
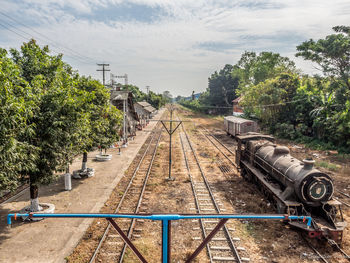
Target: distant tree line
pixel 48 115
pixel 312 109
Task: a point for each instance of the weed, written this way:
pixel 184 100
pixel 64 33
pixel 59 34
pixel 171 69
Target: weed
pixel 327 165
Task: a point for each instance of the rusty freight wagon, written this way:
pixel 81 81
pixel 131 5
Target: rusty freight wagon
pixel 236 125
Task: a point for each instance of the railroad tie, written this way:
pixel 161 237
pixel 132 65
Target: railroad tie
pixel 114 243
pixel 225 239
pixel 211 228
pixel 230 259
pixel 211 221
pixel 207 209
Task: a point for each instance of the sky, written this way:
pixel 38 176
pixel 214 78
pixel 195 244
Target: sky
pixel 168 45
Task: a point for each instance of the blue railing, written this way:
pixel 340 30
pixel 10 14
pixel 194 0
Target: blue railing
pixel 166 224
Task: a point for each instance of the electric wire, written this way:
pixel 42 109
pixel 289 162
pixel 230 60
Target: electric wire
pixel 26 38
pixel 53 42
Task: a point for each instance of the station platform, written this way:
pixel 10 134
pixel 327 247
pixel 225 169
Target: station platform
pixel 53 240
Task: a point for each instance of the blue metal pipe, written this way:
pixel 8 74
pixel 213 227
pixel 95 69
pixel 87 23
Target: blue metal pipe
pixel 163 216
pixel 165 240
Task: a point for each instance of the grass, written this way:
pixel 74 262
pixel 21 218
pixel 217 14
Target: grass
pixel 327 165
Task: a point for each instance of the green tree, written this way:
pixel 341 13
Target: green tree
pixel 16 155
pixel 58 120
pixel 269 101
pixel 222 86
pixel 257 68
pixel 104 119
pixel 331 53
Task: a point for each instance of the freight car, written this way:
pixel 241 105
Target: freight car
pixel 294 187
pixel 236 125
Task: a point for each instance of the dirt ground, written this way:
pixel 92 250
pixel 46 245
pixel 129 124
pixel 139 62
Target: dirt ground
pixel 276 242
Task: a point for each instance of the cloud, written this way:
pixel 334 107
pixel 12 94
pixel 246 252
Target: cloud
pixel 171 45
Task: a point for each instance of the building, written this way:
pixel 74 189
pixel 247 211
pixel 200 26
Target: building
pixel 145 112
pixel 122 100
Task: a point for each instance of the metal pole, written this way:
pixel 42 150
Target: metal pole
pixel 171 132
pixel 124 123
pixel 165 241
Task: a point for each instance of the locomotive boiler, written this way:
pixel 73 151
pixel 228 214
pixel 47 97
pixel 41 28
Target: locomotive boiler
pixel 294 187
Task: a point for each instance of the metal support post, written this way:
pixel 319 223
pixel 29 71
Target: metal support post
pixel 170 133
pixel 166 241
pixel 207 239
pixel 127 240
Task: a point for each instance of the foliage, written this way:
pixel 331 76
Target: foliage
pixel 222 86
pixel 59 120
pixel 16 156
pixel 269 100
pixel 331 53
pixel 104 119
pixel 258 68
pixel 49 114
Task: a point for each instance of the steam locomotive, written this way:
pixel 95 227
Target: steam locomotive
pixel 294 187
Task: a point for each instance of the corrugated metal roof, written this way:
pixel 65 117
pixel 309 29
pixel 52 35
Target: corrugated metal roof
pixel 236 119
pixel 151 108
pixel 144 103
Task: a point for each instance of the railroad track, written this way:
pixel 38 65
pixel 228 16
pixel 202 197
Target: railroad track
pixel 343 194
pixel 224 151
pixel 326 258
pixel 14 195
pixel 111 247
pixel 222 247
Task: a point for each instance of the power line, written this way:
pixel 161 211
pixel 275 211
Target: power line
pixel 53 42
pixel 26 38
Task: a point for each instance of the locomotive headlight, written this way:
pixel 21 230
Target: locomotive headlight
pixel 317 190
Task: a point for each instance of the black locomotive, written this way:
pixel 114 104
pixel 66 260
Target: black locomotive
pixel 295 187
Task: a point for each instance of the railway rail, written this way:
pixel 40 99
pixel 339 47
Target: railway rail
pixel 222 248
pixel 14 195
pixel 223 150
pixel 324 258
pixel 342 195
pixel 111 247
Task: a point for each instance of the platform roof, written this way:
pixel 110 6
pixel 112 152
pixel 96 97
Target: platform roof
pixel 144 103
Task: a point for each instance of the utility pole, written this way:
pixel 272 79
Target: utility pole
pixel 147 88
pixel 170 132
pixel 103 70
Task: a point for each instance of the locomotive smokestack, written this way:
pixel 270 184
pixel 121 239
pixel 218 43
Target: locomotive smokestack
pixel 308 163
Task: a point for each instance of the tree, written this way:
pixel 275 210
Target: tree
pixel 167 96
pixel 257 68
pixel 16 156
pixel 104 119
pixel 269 101
pixel 331 53
pixel 58 120
pixel 222 86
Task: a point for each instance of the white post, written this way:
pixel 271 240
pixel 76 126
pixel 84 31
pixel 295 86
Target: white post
pixel 67 182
